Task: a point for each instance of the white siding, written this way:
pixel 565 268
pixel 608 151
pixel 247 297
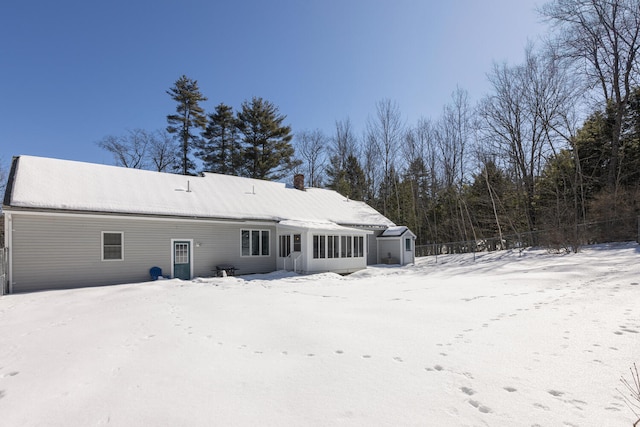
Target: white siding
pixel 56 252
pixel 337 265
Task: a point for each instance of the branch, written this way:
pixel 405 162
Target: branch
pixel 633 388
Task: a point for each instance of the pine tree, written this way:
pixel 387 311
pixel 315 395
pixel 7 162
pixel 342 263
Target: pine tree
pixel 220 149
pixel 188 115
pixel 266 148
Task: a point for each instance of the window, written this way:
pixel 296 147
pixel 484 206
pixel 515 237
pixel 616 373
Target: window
pixel 319 246
pixel 358 246
pixel 265 242
pixel 297 243
pixel 181 253
pixel 254 242
pixel 343 246
pixel 285 245
pixel 333 246
pixel 112 246
pixel 338 246
pixel 407 244
pixel 245 243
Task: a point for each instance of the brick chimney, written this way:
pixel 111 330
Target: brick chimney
pixel 298 181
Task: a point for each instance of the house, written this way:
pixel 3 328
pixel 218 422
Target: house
pixel 75 224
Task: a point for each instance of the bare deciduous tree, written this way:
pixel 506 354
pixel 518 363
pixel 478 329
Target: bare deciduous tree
pixel 130 150
pixel 602 38
pixel 385 132
pixel 452 137
pixel 516 120
pixel 162 151
pixel 141 149
pixel 343 144
pixel 311 148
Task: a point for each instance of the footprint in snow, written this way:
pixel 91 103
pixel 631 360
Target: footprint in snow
pixel 468 391
pixel 480 407
pixel 366 356
pixel 398 359
pixel 339 352
pixel 510 389
pixel 555 393
pixel 10 374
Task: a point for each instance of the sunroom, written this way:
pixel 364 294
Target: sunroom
pixel 315 247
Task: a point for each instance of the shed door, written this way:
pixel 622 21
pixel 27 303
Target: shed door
pixel 182 260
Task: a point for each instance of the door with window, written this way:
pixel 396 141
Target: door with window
pixel 182 260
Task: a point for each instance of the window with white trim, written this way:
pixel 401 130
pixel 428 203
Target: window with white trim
pixel 254 242
pixel 407 244
pixel 112 245
pixel 343 246
pixel 319 243
pixel 285 245
pixel 333 246
pixel 358 246
pixel 338 246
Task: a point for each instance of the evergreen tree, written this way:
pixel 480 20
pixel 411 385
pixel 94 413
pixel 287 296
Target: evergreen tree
pixel 354 177
pixel 336 176
pixel 220 149
pixel 348 181
pixel 266 148
pixel 593 147
pixel 189 115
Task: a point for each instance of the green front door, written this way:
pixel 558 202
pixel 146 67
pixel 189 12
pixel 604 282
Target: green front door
pixel 182 260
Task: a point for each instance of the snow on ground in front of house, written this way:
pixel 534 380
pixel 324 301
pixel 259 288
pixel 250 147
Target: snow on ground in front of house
pixel 507 339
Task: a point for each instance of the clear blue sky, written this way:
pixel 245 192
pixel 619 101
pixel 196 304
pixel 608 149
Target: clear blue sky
pixel 72 72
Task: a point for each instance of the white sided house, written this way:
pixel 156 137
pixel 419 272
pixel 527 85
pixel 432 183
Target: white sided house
pixel 73 224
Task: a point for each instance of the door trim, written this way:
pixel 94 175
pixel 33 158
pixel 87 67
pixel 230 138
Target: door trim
pixel 171 255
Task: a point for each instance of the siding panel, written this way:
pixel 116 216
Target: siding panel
pixel 58 252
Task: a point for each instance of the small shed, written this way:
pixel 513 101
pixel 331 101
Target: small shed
pixel 396 245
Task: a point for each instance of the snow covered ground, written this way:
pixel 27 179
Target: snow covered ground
pixel 507 339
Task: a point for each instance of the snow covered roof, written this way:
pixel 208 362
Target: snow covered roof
pixel 317 225
pixel 395 231
pixel 45 183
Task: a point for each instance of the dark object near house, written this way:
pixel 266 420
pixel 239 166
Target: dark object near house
pixel 225 270
pixel 156 273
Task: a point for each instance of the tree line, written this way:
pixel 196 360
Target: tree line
pixel 554 145
pixel 254 142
